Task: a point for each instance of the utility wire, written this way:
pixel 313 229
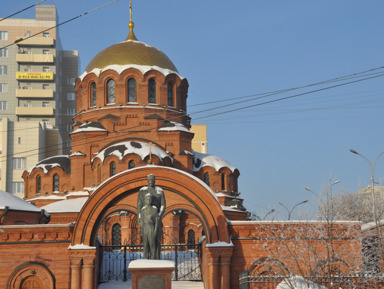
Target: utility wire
pixel 118 136
pixel 62 23
pixel 22 10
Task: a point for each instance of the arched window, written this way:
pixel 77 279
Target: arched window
pixel 170 94
pixel 116 234
pixel 112 169
pixel 38 185
pixel 131 164
pixel 111 91
pixel 223 182
pixel 206 179
pixel 152 91
pixel 56 182
pixel 132 96
pixel 191 237
pixel 98 174
pixel 93 94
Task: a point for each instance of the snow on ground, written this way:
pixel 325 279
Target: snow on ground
pixel 175 285
pixel 298 282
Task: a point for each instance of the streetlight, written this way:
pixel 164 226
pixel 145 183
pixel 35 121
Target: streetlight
pixel 330 186
pixel 291 210
pixel 372 179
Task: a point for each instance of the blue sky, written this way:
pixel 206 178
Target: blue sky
pixel 231 49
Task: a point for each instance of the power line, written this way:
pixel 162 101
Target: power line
pixel 22 10
pixel 57 25
pixel 176 117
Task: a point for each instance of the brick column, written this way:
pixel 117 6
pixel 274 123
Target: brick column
pixel 213 259
pixel 76 273
pixel 88 276
pixel 225 267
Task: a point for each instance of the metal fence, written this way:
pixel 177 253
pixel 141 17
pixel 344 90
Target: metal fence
pixel 247 281
pixel 115 260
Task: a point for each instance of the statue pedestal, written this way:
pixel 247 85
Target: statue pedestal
pixel 151 274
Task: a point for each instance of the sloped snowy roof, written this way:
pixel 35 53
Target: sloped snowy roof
pixel 66 206
pixel 78 153
pixel 61 161
pixel 203 160
pixel 15 203
pixel 120 68
pixel 90 126
pixel 173 126
pixel 131 147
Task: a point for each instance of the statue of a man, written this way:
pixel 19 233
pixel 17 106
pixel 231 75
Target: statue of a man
pixel 146 219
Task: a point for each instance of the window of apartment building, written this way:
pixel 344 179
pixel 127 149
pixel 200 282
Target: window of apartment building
pixel 69 127
pixel 3 35
pixel 3 105
pixel 46 69
pixel 3 69
pixel 45 86
pixel 17 187
pixel 3 87
pixel 19 163
pixel 27 87
pixel 28 33
pixel 71 96
pixel 4 52
pixel 46 51
pixel 71 111
pixel 19 140
pixel 28 69
pixel 45 104
pixel 45 34
pixel 45 121
pixel 71 80
pixel 27 105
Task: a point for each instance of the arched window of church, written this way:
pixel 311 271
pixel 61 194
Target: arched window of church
pixel 170 94
pixel 191 237
pixel 56 182
pixel 112 169
pixel 93 94
pixel 116 234
pixel 206 179
pixel 223 182
pixel 38 185
pixel 152 91
pixel 111 91
pixel 98 174
pixel 132 95
pixel 131 164
pixel 31 282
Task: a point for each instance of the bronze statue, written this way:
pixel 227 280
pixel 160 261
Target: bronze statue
pixel 150 209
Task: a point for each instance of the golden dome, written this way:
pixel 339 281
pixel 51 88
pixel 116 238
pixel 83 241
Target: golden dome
pixel 131 52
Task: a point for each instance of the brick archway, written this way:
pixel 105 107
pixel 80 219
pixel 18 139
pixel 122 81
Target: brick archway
pixel 181 189
pixel 31 271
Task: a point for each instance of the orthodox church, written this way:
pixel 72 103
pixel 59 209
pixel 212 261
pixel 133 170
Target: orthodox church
pixel 131 122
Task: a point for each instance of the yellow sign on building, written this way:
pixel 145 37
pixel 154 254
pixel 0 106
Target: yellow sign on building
pixel 35 75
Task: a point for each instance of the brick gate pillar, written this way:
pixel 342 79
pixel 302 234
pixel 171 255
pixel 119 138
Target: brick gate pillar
pixel 213 258
pixel 88 276
pixel 225 267
pixel 82 266
pixel 76 273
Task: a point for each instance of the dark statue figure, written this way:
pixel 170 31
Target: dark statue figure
pixel 150 210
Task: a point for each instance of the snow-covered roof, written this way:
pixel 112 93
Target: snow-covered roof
pixel 203 160
pixel 15 203
pixel 90 126
pixel 122 149
pixel 78 153
pixel 298 282
pixel 60 161
pixel 66 206
pixel 173 126
pixel 120 68
pixel 220 244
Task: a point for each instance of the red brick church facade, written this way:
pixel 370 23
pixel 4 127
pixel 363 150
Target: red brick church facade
pixel 132 121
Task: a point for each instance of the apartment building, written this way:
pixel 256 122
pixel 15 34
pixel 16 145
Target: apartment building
pixel 37 95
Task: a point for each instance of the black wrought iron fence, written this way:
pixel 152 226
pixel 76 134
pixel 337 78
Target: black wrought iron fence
pixel 115 260
pixel 247 281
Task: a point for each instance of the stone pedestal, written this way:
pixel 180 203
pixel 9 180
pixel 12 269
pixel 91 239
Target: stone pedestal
pixel 151 274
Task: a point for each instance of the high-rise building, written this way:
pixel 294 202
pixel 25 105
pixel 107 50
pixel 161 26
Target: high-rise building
pixel 37 95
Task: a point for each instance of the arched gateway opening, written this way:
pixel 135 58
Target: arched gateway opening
pixel 110 214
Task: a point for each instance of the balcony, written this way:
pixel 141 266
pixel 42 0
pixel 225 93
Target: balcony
pixel 35 111
pixel 35 58
pixel 36 41
pixel 34 93
pixel 28 76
